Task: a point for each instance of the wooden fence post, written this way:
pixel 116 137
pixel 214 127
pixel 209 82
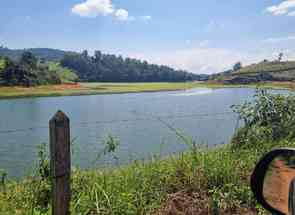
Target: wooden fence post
pixel 60 163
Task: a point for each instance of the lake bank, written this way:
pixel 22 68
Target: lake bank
pixel 81 89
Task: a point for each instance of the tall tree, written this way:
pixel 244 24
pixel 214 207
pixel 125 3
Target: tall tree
pixel 237 66
pixel 280 57
pixel 28 59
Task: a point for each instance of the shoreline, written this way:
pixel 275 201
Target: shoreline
pixel 87 89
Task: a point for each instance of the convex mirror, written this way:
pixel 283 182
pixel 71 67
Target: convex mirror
pixel 273 181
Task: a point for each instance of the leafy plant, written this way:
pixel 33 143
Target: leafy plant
pixel 269 117
pixel 110 145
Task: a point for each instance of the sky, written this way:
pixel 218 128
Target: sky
pixel 201 36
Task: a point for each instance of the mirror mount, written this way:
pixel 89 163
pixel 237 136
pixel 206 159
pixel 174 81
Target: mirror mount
pixel 258 175
pixel 292 196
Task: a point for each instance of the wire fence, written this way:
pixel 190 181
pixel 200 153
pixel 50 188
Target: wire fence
pixel 145 118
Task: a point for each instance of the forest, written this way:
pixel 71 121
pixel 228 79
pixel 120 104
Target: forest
pixel 88 68
pixel 111 68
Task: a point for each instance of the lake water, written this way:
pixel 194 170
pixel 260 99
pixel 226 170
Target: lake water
pixel 135 119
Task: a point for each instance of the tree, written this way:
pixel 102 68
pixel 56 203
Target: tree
pixel 97 56
pixel 237 66
pixel 280 57
pixel 28 59
pixel 85 54
pixel 27 72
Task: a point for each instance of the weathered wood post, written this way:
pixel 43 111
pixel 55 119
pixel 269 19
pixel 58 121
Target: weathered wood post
pixel 60 163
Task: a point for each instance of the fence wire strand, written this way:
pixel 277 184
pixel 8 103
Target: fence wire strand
pixel 152 117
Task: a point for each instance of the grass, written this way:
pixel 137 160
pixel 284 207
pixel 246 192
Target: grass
pixel 219 176
pixel 113 88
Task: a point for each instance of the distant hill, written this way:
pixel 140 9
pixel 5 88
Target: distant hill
pixel 263 71
pixel 105 67
pixel 271 67
pixel 42 53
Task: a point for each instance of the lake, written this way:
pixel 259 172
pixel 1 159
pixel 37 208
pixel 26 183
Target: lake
pixel 137 120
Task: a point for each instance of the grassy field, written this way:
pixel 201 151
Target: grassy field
pixel 112 88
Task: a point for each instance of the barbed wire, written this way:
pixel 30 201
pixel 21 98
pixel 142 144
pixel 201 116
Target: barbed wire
pixel 150 117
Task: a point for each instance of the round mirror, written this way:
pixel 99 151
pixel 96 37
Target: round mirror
pixel 278 183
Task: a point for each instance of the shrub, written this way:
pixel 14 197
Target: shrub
pixel 269 117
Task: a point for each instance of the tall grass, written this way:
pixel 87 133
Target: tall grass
pixel 221 175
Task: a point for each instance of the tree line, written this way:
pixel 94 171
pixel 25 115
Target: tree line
pixel 111 68
pixel 24 68
pixel 29 71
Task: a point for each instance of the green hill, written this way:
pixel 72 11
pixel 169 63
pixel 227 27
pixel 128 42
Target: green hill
pixel 42 53
pixel 264 71
pixel 272 67
pixel 102 67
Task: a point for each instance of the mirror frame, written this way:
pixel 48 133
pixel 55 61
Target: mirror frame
pixel 258 175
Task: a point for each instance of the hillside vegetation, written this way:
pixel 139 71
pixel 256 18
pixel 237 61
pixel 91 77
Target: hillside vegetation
pixel 111 68
pixel 260 72
pixel 105 67
pixel 29 71
pixel 200 181
pixel 2 63
pixel 268 67
pixel 45 54
pixel 66 75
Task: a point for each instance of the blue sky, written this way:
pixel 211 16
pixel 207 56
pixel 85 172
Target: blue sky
pixel 199 36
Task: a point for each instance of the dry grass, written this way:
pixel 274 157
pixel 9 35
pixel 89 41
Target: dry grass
pixel 197 203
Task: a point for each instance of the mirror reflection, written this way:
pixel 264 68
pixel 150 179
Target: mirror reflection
pixel 279 181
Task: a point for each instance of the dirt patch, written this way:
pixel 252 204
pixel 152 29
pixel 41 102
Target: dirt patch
pixel 67 87
pixel 193 203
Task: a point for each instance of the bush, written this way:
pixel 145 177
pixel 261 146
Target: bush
pixel 269 117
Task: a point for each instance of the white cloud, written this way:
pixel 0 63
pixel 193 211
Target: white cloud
pixel 122 14
pixel 279 39
pixel 210 60
pixel 200 59
pixel 95 8
pixel 282 8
